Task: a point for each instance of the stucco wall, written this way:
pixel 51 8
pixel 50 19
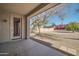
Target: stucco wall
pixel 4 31
pixel 6 28
pixel 45 30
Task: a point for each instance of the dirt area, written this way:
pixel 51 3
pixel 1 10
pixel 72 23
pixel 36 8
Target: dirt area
pixel 68 41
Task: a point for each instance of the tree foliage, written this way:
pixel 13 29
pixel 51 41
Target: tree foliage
pixel 49 25
pixel 72 26
pixel 39 22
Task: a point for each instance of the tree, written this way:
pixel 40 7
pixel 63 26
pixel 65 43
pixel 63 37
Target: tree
pixel 36 24
pixel 53 24
pixel 72 26
pixel 40 21
pixel 49 25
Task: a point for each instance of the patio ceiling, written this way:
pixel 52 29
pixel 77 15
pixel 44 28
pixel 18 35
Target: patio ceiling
pixel 20 8
pixel 41 8
pixel 25 8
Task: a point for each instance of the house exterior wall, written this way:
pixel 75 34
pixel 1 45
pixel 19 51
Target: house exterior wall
pixel 6 28
pixel 4 32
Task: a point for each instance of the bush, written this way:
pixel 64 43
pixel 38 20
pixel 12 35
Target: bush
pixel 72 26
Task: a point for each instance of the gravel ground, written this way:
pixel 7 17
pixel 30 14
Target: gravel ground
pixel 68 39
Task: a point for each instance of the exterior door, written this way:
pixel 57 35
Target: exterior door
pixel 17 28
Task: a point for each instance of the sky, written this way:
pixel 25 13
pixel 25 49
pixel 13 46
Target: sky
pixel 72 15
pixel 70 10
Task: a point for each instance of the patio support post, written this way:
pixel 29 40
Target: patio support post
pixel 27 28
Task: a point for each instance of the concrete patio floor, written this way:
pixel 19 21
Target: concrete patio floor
pixel 28 48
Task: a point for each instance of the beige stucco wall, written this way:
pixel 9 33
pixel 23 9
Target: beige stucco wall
pixel 45 30
pixel 6 28
pixel 4 32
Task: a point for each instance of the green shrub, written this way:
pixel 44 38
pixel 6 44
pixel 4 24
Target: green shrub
pixel 72 26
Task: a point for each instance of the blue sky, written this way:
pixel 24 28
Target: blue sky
pixel 70 10
pixel 72 15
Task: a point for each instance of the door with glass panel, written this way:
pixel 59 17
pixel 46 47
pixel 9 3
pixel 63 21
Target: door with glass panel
pixel 17 27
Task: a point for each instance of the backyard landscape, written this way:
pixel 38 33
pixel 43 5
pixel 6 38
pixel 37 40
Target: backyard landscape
pixel 59 28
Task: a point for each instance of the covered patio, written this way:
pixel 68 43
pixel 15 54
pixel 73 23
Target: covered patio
pixel 15 30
